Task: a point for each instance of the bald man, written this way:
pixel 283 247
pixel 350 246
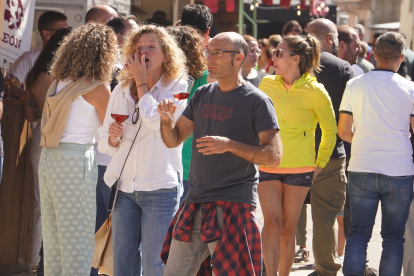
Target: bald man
pixel 218 217
pixel 100 13
pixel 328 190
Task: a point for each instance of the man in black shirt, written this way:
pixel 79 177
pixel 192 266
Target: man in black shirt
pixel 328 190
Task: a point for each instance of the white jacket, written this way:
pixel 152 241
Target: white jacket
pixel 151 165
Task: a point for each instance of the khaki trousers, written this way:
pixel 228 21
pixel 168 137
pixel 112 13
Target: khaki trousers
pixel 301 233
pixel 327 195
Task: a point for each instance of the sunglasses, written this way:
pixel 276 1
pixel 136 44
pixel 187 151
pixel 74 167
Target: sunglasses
pixel 278 53
pixel 135 115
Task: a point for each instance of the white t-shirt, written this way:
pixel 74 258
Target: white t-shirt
pixel 357 70
pixel 381 103
pixel 24 64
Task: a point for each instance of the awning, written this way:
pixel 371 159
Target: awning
pixel 386 26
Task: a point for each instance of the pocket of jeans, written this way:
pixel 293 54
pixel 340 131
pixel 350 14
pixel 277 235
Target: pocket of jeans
pixel 356 183
pixel 399 187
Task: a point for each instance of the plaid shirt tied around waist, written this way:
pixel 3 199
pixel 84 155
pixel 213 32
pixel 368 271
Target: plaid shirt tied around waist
pixel 238 251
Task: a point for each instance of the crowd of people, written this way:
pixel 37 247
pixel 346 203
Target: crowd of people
pixel 193 132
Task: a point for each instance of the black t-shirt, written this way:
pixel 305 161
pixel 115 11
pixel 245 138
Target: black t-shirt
pixel 240 115
pixel 334 75
pixel 256 81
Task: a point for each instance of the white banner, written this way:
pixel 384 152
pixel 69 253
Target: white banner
pixel 16 28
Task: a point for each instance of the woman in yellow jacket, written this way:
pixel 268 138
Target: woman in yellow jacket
pixel 300 102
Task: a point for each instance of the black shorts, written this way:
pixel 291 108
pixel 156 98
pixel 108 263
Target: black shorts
pixel 294 179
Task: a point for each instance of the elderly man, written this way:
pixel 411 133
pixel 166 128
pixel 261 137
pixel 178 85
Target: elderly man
pixel 328 190
pixel 375 114
pixel 235 128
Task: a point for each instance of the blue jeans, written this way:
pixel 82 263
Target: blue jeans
pixel 142 217
pixel 102 198
pixel 365 191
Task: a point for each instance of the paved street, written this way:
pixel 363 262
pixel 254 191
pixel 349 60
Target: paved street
pixel 374 247
pixel 303 269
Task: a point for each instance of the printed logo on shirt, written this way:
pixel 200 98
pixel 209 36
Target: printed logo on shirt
pixel 216 112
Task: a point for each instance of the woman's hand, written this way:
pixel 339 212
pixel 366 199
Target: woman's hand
pixel 136 66
pixel 115 130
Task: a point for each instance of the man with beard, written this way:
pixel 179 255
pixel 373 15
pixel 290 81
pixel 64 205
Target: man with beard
pixel 217 219
pixel 328 190
pixel 349 47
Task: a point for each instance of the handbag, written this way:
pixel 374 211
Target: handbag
pixel 103 253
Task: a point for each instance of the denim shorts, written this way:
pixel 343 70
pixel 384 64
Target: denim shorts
pixel 293 179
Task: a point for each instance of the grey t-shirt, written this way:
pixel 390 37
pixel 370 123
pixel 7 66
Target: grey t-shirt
pixel 240 115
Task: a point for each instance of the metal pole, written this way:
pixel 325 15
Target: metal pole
pixel 241 10
pixel 255 34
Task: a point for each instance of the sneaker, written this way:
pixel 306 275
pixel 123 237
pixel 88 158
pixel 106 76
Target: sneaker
pixel 370 271
pixel 341 259
pixel 302 255
pixel 315 273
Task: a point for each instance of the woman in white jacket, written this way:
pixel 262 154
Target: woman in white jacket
pixel 151 182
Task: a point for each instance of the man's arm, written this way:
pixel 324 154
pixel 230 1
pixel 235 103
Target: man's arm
pixel 269 153
pixel 173 134
pixel 345 124
pixel 412 122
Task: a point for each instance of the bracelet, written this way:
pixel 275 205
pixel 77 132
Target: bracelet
pixel 142 84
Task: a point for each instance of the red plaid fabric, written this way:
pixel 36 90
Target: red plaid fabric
pixel 238 251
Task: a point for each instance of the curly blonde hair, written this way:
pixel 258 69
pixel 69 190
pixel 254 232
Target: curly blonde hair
pixel 190 42
pixel 174 66
pixel 88 51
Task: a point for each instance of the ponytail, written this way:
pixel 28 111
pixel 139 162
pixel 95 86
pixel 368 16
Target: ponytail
pixel 308 48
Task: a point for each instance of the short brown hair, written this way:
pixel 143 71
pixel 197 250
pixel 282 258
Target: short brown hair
pixel 308 48
pixel 390 46
pixel 275 39
pixel 345 34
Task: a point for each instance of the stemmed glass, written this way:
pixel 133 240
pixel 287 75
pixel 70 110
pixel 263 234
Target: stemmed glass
pixel 182 95
pixel 8 79
pixel 120 110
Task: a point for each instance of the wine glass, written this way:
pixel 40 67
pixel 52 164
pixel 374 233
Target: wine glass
pixel 120 110
pixel 8 79
pixel 183 95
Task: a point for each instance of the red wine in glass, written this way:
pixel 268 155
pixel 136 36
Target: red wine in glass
pixel 182 95
pixel 119 118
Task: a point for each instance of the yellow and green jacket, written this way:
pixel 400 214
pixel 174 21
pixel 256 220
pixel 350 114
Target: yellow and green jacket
pixel 298 111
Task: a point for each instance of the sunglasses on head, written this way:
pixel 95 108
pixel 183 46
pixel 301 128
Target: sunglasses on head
pixel 278 53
